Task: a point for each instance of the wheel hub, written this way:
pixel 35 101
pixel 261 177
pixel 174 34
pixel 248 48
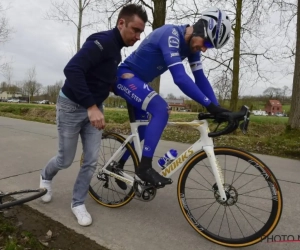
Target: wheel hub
pixel 231 195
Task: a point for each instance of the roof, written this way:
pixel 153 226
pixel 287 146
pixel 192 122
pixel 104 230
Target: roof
pixel 175 101
pixel 275 103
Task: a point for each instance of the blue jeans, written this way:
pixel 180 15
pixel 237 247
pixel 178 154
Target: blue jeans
pixel 72 120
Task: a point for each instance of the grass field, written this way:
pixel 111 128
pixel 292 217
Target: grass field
pixel 266 134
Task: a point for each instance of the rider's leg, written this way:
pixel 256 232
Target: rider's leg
pixel 142 96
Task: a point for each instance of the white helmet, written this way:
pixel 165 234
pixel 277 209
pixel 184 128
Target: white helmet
pixel 217 27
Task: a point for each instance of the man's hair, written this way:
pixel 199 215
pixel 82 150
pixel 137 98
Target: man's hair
pixel 129 10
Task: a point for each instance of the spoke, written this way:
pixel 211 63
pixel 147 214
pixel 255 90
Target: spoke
pixel 199 183
pixel 208 167
pixel 236 222
pixel 213 216
pixel 250 215
pixel 101 189
pixel 206 210
pixel 224 169
pixel 264 198
pixel 222 221
pixel 247 183
pixel 202 206
pixel 235 171
pixel 240 209
pixel 201 198
pixel 202 177
pixel 228 223
pixel 208 190
pixel 238 172
pixel 233 181
pixel 253 190
pixel 254 207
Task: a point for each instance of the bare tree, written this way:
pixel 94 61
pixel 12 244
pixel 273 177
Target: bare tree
pixel 171 96
pixel 72 12
pixel 250 46
pixel 5 34
pixel 289 12
pixel 7 72
pixel 3 86
pixel 52 91
pixel 272 92
pixel 31 86
pixel 222 86
pixel 156 8
pixel 5 29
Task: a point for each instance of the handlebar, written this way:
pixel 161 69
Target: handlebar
pixel 233 119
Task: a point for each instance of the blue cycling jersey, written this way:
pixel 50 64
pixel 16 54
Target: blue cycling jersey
pixel 165 48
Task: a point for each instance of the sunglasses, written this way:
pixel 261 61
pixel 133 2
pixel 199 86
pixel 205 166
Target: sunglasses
pixel 208 44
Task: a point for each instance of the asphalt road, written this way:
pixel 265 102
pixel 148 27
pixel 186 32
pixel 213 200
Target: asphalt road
pixel 25 148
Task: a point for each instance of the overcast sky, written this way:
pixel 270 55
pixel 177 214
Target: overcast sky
pixel 47 45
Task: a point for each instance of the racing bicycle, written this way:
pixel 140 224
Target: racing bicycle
pixel 226 194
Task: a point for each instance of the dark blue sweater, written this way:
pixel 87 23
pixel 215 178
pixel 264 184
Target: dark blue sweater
pixel 92 71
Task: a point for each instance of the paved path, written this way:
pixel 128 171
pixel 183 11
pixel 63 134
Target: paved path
pixel 25 147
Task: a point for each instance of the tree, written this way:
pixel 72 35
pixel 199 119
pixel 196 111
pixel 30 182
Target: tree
pixel 294 118
pixel 157 9
pixel 3 86
pixel 5 33
pixel 222 86
pixel 7 72
pixel 272 93
pixel 289 11
pixel 31 86
pixel 72 12
pixel 243 56
pixel 52 91
pixel 5 29
pixel 170 96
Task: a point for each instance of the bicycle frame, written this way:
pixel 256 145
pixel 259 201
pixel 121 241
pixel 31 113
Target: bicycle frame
pixel 203 143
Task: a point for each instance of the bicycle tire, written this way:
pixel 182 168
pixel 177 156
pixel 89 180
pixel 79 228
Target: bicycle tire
pixel 12 201
pixel 110 143
pixel 254 171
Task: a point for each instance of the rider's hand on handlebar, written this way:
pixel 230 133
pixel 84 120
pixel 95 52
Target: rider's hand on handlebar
pixel 96 117
pixel 213 109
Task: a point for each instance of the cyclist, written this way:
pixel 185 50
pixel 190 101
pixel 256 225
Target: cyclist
pixel 163 49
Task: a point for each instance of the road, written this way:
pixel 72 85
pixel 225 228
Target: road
pixel 25 148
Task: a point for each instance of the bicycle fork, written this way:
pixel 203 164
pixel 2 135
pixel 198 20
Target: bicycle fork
pixel 217 171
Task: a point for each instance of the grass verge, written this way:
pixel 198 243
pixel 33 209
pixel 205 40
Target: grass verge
pixel 266 134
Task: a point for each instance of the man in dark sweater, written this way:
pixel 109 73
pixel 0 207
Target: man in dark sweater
pixel 89 77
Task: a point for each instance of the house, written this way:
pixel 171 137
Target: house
pixel 273 107
pixel 177 104
pixel 6 95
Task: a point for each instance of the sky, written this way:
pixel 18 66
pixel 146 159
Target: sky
pixel 46 45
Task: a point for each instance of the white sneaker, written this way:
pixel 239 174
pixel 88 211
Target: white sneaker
pixel 46 184
pixel 83 216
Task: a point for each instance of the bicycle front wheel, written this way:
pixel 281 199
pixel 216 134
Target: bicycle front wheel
pixel 104 188
pixel 254 200
pixel 20 197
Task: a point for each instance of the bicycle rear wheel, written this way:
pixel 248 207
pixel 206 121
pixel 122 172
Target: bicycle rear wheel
pixel 19 197
pixel 104 188
pixel 254 200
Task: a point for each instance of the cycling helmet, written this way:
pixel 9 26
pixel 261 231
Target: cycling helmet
pixel 214 26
